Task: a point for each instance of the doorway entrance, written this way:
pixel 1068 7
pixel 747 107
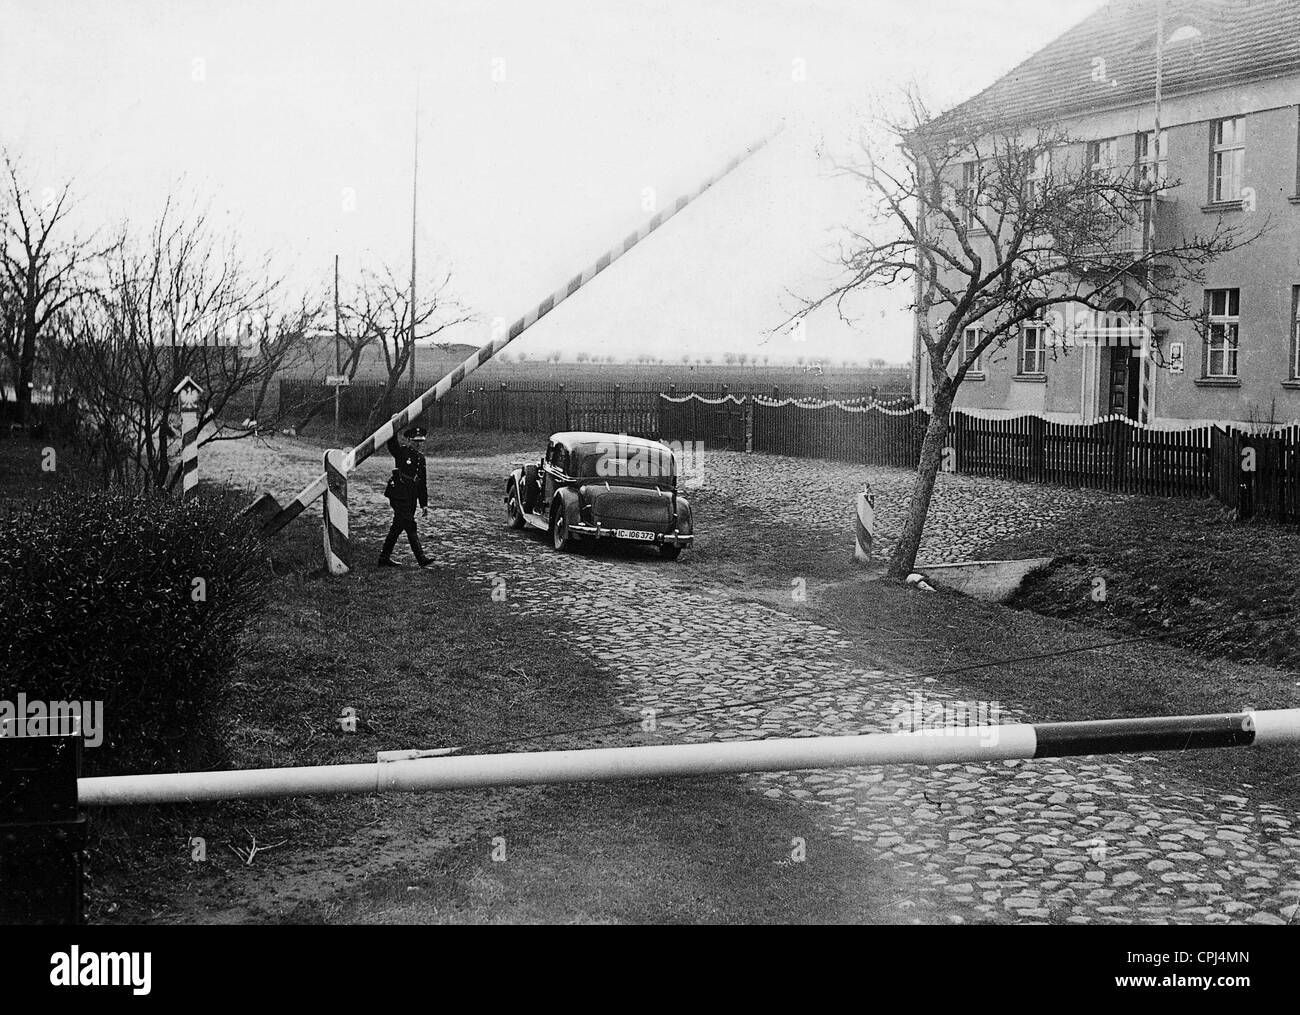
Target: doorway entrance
pixel 1121 366
pixel 1122 373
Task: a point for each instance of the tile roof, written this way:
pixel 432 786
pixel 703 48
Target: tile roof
pixel 1209 43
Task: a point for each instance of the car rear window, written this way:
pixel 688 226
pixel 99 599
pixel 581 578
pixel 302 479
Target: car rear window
pixel 616 459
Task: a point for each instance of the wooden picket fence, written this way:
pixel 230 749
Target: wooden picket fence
pixel 534 406
pixel 1256 474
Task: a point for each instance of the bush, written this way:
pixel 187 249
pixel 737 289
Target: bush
pixel 135 599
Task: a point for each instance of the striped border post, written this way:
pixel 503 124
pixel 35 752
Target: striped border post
pixel 338 551
pixel 189 452
pixel 187 393
pixel 864 525
pixel 941 746
pixel 439 391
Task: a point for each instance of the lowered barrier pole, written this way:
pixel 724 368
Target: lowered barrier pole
pixel 278 518
pixel 419 771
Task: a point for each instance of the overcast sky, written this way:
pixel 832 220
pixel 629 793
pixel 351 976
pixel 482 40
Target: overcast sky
pixel 541 126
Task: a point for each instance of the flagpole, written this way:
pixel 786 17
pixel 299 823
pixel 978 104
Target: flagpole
pixel 415 179
pixel 338 354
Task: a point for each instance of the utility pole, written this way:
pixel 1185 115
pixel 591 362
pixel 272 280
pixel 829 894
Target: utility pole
pixel 415 179
pixel 1146 365
pixel 338 355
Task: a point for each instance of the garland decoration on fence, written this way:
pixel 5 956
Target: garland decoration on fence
pixel 701 398
pixel 848 405
pixel 864 403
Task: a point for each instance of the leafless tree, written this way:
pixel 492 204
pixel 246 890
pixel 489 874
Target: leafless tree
pixel 178 301
pixel 379 314
pixel 998 225
pixel 41 271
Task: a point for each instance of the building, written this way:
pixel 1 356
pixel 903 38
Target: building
pixel 1229 117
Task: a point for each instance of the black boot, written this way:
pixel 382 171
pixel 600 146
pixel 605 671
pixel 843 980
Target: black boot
pixel 388 562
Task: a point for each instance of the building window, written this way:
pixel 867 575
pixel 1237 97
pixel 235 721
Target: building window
pixel 1103 155
pixel 1295 333
pixel 1153 160
pixel 1228 159
pixel 1033 349
pixel 1036 179
pixel 1222 339
pixel 971 340
pixel 974 201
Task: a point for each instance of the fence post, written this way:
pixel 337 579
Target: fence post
pixel 1037 447
pixel 1119 449
pixel 42 831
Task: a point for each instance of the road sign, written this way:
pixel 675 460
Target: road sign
pixel 336 381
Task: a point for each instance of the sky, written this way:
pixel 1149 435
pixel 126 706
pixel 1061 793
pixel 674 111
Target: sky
pixel 546 131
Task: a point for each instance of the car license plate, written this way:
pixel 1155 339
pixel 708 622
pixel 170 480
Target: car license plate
pixel 633 534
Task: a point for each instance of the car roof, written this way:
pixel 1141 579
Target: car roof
pixel 571 438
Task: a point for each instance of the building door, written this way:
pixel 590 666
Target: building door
pixel 1122 389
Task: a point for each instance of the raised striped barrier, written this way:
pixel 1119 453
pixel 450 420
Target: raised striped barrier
pixel 366 448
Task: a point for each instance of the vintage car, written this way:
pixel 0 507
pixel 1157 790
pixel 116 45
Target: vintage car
pixel 599 486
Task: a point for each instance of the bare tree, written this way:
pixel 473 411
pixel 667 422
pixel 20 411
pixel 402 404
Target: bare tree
pixel 176 302
pixel 998 225
pixel 41 263
pixel 379 314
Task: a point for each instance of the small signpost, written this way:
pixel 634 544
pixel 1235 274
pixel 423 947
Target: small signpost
pixel 188 391
pixel 336 381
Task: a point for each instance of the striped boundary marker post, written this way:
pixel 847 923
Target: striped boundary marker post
pixel 381 436
pixel 939 746
pixel 189 452
pixel 338 551
pixel 864 525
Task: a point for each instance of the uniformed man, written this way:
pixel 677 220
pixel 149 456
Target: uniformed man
pixel 407 487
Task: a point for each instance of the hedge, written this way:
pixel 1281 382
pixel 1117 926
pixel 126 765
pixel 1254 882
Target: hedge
pixel 134 599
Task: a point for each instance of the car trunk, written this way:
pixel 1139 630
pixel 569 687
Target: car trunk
pixel 630 507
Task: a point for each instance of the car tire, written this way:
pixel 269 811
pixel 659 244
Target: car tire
pixel 514 513
pixel 561 538
pixel 670 552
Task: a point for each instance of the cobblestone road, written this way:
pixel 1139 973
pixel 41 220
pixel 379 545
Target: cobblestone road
pixel 1086 840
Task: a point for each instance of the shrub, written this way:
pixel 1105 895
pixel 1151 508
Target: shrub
pixel 135 599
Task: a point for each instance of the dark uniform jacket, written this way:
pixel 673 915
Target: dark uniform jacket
pixel 404 495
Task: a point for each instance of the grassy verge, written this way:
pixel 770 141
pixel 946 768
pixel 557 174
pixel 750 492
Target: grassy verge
pixel 1176 566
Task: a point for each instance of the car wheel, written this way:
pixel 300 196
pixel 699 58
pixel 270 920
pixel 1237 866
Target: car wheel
pixel 560 536
pixel 514 513
pixel 670 552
